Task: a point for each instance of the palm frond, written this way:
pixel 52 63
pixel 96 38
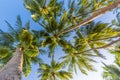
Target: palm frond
pixel 11 28
pixel 111 71
pixel 54 70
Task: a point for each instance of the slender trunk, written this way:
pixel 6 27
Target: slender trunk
pixel 94 16
pixel 53 77
pixel 13 69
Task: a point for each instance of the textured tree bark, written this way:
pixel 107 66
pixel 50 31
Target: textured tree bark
pixel 93 17
pixel 13 69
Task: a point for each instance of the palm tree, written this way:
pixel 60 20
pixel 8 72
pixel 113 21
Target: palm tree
pixel 94 35
pixel 25 45
pixel 87 39
pixel 77 11
pixel 61 20
pixel 111 72
pixel 53 71
pixel 95 15
pixel 58 21
pixel 49 22
pixel 55 20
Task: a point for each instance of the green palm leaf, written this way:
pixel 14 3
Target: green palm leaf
pixel 111 71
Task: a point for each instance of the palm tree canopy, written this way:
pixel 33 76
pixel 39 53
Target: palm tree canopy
pixel 19 36
pixel 54 18
pixel 80 52
pixel 94 35
pixel 53 71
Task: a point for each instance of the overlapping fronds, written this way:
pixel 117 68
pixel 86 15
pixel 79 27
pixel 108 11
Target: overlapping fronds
pixel 94 35
pixel 116 52
pixel 53 71
pixel 82 61
pixel 111 72
pixel 23 37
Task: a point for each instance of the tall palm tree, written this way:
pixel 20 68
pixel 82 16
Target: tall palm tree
pixel 56 20
pixel 51 23
pixel 111 72
pixel 62 19
pixel 79 12
pixel 81 51
pixel 95 15
pixel 25 45
pixel 74 58
pixel 53 71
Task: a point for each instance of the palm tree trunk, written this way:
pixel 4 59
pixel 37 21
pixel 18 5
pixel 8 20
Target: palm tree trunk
pixel 13 69
pixel 93 17
pixel 54 77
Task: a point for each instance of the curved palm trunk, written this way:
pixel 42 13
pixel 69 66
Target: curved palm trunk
pixel 94 16
pixel 13 69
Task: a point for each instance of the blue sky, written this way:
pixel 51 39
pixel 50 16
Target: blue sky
pixel 9 9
